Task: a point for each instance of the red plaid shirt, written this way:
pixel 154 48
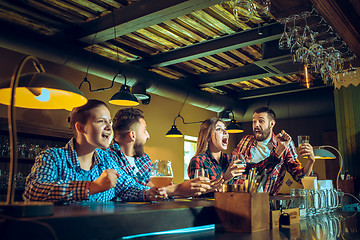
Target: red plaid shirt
pixel 207 161
pixel 276 166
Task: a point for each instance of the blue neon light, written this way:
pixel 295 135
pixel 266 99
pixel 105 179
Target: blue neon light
pixel 175 231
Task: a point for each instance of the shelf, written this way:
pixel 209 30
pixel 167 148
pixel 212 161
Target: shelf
pixel 38 129
pixel 20 159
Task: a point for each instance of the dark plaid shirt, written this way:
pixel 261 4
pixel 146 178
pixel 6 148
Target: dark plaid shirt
pixel 207 161
pixel 276 166
pixel 143 164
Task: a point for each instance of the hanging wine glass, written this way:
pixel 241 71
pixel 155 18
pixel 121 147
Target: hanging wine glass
pixel 261 7
pixel 293 50
pixel 295 35
pixel 308 35
pixel 243 10
pixel 284 41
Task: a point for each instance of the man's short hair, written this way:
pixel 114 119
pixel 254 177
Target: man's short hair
pixel 125 119
pixel 267 110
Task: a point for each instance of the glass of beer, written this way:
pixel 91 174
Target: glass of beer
pixel 303 139
pixel 161 174
pixel 202 173
pixel 239 163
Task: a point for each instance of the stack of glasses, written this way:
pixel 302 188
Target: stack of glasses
pixel 316 50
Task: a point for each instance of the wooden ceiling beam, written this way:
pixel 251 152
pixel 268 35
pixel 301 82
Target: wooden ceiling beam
pixel 279 89
pixel 239 40
pixel 137 16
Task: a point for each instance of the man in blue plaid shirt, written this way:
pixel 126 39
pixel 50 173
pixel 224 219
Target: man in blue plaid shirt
pixel 82 171
pixel 130 136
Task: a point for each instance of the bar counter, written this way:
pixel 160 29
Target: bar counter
pixel 117 220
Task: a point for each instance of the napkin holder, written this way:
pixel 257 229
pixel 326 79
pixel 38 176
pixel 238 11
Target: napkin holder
pixel 242 212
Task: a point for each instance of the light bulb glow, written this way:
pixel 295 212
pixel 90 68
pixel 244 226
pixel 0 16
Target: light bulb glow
pixel 44 95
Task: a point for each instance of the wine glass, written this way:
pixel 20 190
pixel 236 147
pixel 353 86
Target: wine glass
pixel 161 174
pixel 285 41
pixel 240 164
pixel 243 10
pixel 202 172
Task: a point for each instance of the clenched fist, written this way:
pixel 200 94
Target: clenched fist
pixel 106 181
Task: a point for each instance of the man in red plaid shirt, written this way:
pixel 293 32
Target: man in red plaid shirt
pixel 275 153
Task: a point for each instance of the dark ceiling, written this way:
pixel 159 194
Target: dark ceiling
pixel 195 43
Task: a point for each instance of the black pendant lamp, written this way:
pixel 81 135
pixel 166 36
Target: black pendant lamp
pixel 124 97
pixel 174 132
pixel 233 127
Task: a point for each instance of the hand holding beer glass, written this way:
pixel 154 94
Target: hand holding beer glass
pixel 304 148
pixel 161 175
pixel 240 165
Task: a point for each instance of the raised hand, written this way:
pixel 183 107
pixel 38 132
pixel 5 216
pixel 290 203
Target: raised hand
pixel 306 150
pixel 283 139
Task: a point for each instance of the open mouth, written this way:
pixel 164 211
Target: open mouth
pixel 257 131
pixel 107 136
pixel 225 141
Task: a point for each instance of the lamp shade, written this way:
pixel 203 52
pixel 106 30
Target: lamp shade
pixel 174 132
pixel 124 97
pixel 323 154
pixel 233 127
pixel 42 91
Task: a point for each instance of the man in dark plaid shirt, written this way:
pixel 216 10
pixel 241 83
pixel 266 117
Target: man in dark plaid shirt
pixel 130 136
pixel 275 153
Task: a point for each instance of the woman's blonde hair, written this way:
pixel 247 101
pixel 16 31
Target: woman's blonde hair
pixel 204 134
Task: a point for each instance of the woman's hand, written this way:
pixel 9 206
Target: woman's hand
pixel 193 187
pixel 233 170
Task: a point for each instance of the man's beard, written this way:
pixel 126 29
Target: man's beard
pixel 265 134
pixel 139 148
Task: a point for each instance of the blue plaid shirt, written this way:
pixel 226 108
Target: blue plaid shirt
pixel 143 164
pixel 56 177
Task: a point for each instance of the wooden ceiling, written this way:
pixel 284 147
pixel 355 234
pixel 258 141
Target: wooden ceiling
pixel 193 42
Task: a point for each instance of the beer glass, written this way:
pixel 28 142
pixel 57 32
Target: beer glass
pixel 202 172
pixel 161 175
pixel 303 139
pixel 299 200
pixel 313 202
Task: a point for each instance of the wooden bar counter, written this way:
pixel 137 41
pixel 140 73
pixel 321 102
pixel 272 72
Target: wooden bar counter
pixel 116 220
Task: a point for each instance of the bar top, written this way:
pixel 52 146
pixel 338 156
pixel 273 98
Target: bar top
pixel 117 220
